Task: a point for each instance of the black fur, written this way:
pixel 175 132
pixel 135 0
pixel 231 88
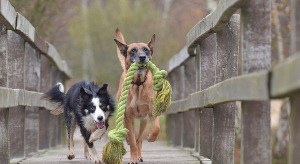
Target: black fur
pixel 77 100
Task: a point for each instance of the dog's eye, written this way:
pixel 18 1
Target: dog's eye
pixel 145 50
pixel 102 106
pixel 134 50
pixel 92 108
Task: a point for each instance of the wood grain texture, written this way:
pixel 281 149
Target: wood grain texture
pixel 256 56
pixel 294 143
pixel 189 116
pixel 32 83
pixel 8 14
pixel 212 23
pixel 224 114
pixel 208 54
pixel 178 59
pixel 15 77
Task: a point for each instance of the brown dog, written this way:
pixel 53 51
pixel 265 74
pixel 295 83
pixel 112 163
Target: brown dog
pixel 139 101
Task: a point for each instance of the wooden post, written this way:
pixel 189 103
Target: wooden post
pixel 294 143
pixel 207 62
pixel 224 114
pixel 177 94
pixel 256 56
pixel 170 117
pixel 32 83
pixel 4 135
pixel 197 111
pixel 189 116
pixel 54 122
pixel 44 115
pixel 15 58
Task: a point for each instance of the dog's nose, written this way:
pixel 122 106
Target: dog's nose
pixel 142 58
pixel 100 118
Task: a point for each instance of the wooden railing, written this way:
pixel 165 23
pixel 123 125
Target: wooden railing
pixel 28 67
pixel 228 59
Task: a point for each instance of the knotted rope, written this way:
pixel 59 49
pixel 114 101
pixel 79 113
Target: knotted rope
pixel 114 150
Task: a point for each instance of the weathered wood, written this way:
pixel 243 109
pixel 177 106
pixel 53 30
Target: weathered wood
pixel 224 114
pixel 177 79
pixel 8 15
pixel 285 77
pixel 32 83
pixel 294 143
pixel 53 55
pixel 44 116
pixel 54 122
pixel 256 56
pixel 189 117
pixel 207 78
pixel 15 76
pixel 178 59
pixel 197 111
pixel 3 56
pixel 4 141
pixel 25 28
pixel 4 135
pixel 212 23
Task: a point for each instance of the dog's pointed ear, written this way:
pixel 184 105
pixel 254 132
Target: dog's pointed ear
pixel 151 43
pixel 85 93
pixel 122 47
pixel 103 89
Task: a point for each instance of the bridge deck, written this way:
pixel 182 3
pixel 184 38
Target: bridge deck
pixel 157 152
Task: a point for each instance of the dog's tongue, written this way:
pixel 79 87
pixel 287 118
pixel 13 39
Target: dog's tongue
pixel 100 124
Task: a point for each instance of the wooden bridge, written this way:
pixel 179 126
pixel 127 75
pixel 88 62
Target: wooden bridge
pixel 227 60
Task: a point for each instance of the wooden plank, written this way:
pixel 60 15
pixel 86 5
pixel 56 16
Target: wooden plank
pixel 20 97
pixel 25 28
pixel 53 55
pixel 256 56
pixel 224 114
pixel 178 59
pixel 294 143
pixel 285 78
pixel 254 86
pixel 207 78
pixel 212 23
pixel 15 73
pixel 8 15
pixel 197 111
pixel 189 116
pixel 32 83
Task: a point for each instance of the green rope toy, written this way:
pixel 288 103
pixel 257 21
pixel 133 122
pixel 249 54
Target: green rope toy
pixel 114 150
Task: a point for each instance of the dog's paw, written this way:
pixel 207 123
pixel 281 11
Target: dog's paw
pixel 141 159
pixel 71 156
pixel 97 160
pixel 152 138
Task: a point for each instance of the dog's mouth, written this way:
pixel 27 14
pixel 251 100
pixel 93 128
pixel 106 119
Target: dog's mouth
pixel 100 124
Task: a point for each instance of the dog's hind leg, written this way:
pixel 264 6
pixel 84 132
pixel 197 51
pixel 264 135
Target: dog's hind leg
pixel 139 141
pixel 71 125
pixel 154 131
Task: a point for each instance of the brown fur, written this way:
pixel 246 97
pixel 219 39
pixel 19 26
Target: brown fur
pixel 139 101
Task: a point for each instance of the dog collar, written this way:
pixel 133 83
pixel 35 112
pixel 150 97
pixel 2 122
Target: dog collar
pixel 138 82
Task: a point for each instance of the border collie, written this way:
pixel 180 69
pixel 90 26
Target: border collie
pixel 86 104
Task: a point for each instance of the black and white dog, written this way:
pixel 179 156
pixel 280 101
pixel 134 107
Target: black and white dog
pixel 86 104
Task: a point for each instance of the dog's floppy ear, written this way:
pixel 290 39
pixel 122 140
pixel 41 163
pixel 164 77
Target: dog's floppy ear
pixel 102 90
pixel 85 93
pixel 151 43
pixel 122 47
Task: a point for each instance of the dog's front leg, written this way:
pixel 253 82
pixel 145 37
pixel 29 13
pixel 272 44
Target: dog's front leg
pixel 96 157
pixel 97 134
pixel 131 140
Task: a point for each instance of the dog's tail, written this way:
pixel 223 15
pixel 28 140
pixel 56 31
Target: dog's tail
pixel 120 38
pixel 56 95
